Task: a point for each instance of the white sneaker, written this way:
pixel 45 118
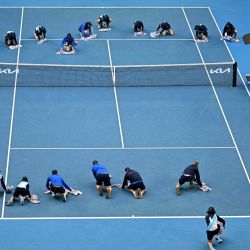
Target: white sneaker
pixel 218 239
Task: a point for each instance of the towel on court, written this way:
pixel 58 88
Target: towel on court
pixel 75 192
pixel 154 34
pixel 201 41
pixel 89 37
pixel 205 188
pixel 34 199
pixel 141 33
pixel 104 29
pixel 230 39
pixel 117 185
pixel 62 52
pixel 42 41
pixel 15 46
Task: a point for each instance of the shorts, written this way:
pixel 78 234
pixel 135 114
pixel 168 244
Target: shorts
pixel 103 178
pixel 57 189
pixel 211 234
pixel 139 185
pixel 20 191
pixel 184 179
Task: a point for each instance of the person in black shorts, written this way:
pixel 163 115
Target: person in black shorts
pixel 57 185
pixel 103 22
pixel 201 33
pixel 230 33
pixel 21 191
pixel 134 183
pixel 40 33
pixel 102 176
pixel 10 39
pixel 138 28
pixel 215 227
pixel 190 174
pixel 164 28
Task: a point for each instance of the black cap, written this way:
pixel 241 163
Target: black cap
pixel 127 169
pixel 54 171
pixel 95 162
pixel 211 210
pixel 25 178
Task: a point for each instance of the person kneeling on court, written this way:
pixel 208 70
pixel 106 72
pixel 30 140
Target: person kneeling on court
pixel 103 22
pixel 57 185
pixel 230 33
pixel 163 29
pixel 21 192
pixel 215 227
pixel 68 45
pixel 139 28
pixel 102 176
pixel 86 30
pixel 190 174
pixel 40 34
pixel 134 183
pixel 10 40
pixel 201 33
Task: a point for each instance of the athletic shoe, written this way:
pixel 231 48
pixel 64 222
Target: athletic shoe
pixel 218 239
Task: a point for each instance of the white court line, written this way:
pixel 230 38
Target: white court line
pixel 118 66
pixel 229 51
pixel 101 7
pixel 124 217
pixel 118 39
pixel 218 100
pixel 116 100
pixel 12 114
pixel 121 148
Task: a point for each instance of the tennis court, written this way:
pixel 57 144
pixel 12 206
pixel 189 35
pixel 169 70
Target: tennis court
pixel 152 104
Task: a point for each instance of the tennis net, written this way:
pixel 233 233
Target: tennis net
pixel 54 75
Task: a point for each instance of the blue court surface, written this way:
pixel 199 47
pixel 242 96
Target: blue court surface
pixel 126 109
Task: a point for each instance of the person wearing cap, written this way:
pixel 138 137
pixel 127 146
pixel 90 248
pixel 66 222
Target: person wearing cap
pixel 86 29
pixel 164 28
pixel 134 183
pixel 201 33
pixel 57 185
pixel 103 22
pixel 102 176
pixel 230 33
pixel 215 227
pixel 10 39
pixel 190 174
pixel 21 191
pixel 68 44
pixel 40 33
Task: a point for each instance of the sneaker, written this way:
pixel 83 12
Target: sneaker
pixel 178 189
pixel 21 200
pixel 218 239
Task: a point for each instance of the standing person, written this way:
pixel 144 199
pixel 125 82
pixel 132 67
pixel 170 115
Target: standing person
pixel 201 33
pixel 86 29
pixel 138 28
pixel 40 34
pixel 134 183
pixel 68 45
pixel 10 39
pixel 103 22
pixel 190 174
pixel 230 33
pixel 102 176
pixel 57 185
pixel 21 191
pixel 215 227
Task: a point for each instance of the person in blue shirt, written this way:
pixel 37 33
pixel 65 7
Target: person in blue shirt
pixel 56 184
pixel 86 29
pixel 102 176
pixel 68 44
pixel 190 174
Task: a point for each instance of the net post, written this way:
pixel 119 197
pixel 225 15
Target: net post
pixel 113 76
pixel 234 83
